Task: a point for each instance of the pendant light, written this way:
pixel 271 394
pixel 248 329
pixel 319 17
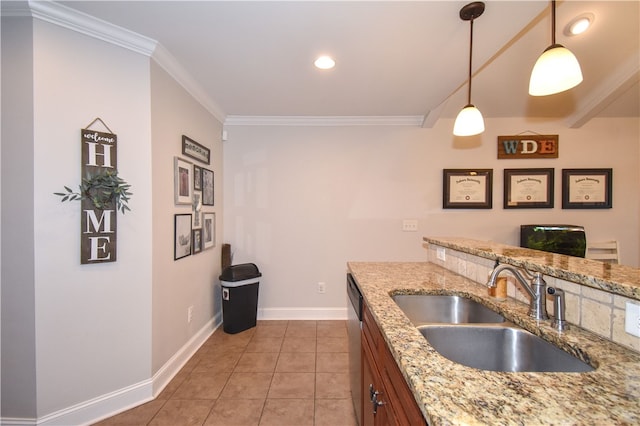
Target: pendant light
pixel 469 121
pixel 557 69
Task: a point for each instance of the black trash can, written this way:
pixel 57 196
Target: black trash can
pixel 239 297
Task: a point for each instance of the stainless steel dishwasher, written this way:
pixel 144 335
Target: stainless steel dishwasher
pixel 354 330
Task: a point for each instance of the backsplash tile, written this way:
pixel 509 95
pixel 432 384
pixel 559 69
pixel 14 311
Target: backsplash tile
pixel 596 317
pixel 597 295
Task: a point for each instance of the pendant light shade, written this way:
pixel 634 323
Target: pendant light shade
pixel 469 121
pixel 557 69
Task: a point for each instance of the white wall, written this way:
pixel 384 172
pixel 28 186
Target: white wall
pixel 302 201
pixel 17 277
pixel 193 280
pixel 92 322
pixel 83 341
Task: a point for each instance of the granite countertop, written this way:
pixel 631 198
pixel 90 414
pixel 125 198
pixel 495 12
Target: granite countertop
pixel 618 279
pixel 449 393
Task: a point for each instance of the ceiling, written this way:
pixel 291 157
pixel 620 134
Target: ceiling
pixel 394 58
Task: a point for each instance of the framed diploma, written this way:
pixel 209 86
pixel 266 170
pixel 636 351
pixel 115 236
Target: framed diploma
pixel 528 188
pixel 586 188
pixel 467 188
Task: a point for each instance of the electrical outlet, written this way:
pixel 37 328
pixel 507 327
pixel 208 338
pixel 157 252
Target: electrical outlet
pixel 410 225
pixel 322 288
pixel 440 253
pixel 632 319
pixel 189 314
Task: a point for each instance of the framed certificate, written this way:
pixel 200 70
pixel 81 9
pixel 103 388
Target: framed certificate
pixel 528 188
pixel 467 188
pixel 586 188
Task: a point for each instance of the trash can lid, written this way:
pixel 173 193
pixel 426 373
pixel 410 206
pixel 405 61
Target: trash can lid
pixel 244 271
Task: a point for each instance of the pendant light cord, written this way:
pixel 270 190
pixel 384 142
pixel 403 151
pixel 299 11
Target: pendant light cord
pixel 470 57
pixel 553 22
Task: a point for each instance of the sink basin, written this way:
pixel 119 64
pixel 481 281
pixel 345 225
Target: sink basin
pixel 500 348
pixel 424 309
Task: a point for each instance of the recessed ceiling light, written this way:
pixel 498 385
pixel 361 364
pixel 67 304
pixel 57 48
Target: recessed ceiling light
pixel 324 63
pixel 579 24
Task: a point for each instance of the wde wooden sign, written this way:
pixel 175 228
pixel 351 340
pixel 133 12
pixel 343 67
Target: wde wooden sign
pixel 528 146
pixel 98 233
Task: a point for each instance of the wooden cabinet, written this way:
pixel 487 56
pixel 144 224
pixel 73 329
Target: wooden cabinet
pixel 387 400
pixel 372 384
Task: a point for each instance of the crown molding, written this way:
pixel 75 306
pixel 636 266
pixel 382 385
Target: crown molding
pixel 170 64
pixel 91 26
pixel 83 23
pixel 14 9
pixel 245 120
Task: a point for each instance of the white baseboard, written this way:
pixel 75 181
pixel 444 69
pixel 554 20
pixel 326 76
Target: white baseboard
pixel 90 411
pixel 302 314
pixel 167 372
pixel 110 404
pixel 11 421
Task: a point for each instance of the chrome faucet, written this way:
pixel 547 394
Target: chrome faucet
pixel 536 290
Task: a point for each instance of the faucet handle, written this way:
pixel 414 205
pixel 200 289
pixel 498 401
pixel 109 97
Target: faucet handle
pixel 559 322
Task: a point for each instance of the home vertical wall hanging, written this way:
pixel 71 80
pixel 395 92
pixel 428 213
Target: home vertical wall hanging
pixel 101 194
pixel 98 235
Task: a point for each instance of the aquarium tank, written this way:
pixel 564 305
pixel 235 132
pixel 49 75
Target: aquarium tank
pixel 569 240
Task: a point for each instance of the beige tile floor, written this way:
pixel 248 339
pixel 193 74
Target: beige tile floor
pixel 277 373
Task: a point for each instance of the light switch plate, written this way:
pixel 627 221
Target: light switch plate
pixel 632 319
pixel 410 225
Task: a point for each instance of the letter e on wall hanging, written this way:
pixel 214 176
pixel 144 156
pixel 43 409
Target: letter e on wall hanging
pixel 98 233
pixel 528 146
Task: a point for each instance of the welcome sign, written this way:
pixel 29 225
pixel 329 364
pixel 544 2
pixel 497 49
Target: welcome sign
pixel 528 146
pixel 98 233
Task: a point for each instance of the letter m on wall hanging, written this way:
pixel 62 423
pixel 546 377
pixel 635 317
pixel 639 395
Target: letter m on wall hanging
pixel 98 222
pixel 528 146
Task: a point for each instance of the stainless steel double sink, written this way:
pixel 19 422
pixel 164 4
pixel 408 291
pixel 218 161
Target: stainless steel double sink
pixel 469 333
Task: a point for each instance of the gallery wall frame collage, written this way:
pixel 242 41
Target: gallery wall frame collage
pixel 528 188
pixel 193 186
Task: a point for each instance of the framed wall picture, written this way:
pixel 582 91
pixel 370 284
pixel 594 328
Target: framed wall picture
pixel 587 188
pixel 197 210
pixel 209 230
pixel 197 177
pixel 467 188
pixel 528 188
pixel 207 187
pixel 193 149
pixel 182 181
pixel 181 235
pixel 197 240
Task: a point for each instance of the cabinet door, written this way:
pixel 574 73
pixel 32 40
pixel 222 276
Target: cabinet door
pixel 380 369
pixel 368 419
pixel 403 409
pixel 373 414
